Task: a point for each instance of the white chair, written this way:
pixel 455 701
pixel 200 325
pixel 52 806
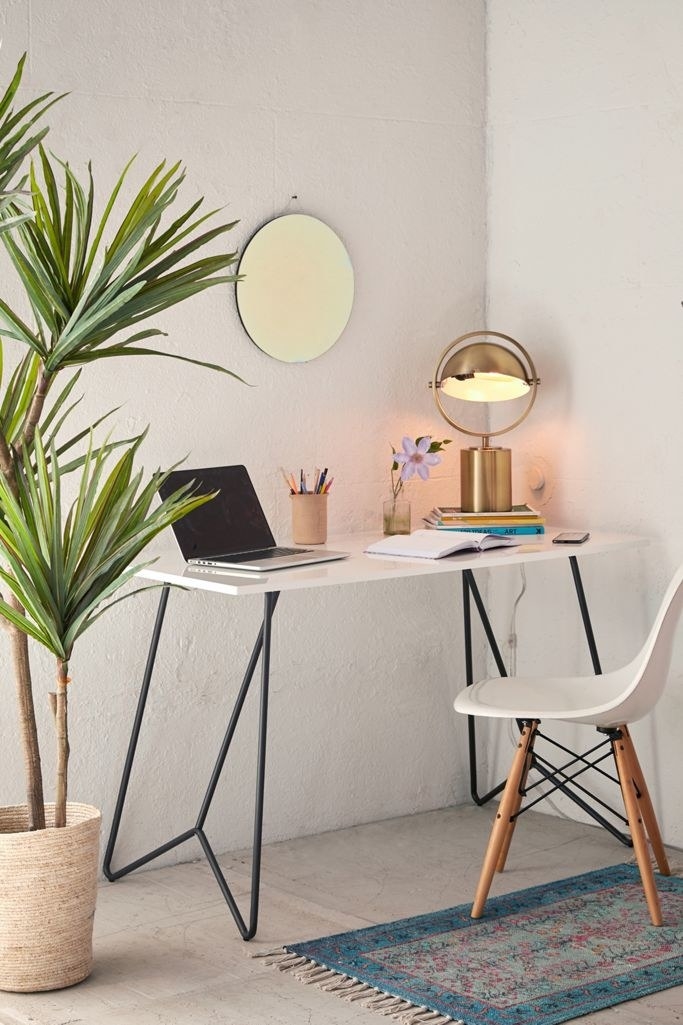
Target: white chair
pixel 609 702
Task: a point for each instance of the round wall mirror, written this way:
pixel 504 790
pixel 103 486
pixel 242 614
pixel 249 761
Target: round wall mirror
pixel 296 295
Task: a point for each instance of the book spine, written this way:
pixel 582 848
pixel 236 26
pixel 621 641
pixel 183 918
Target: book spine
pixel 520 512
pixel 536 521
pixel 483 529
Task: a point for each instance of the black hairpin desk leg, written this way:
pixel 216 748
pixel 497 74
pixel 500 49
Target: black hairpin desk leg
pixel 585 616
pixel 469 588
pixel 260 650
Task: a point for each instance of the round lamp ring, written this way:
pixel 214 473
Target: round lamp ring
pixel 449 351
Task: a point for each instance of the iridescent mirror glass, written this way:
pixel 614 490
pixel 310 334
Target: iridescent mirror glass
pixel 296 293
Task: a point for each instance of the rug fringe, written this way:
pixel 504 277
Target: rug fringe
pixel 311 973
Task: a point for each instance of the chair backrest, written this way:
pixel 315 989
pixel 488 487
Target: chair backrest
pixel 650 668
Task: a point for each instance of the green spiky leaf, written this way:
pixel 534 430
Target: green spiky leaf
pixel 66 568
pixel 84 292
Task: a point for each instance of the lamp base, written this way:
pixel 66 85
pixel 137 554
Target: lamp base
pixel 486 479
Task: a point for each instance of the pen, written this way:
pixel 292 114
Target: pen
pixel 320 485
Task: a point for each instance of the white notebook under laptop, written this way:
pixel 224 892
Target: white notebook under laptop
pixel 232 530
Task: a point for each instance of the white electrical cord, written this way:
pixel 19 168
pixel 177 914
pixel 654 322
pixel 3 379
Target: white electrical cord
pixel 512 634
pixel 513 732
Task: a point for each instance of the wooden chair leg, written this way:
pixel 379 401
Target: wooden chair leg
pixel 646 809
pixel 516 805
pixel 508 802
pixel 636 826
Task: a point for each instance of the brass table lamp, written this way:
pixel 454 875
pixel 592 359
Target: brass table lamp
pixel 481 371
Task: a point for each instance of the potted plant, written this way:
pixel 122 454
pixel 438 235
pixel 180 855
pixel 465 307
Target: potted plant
pixel 87 282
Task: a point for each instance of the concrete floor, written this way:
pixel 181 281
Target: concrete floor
pixel 167 952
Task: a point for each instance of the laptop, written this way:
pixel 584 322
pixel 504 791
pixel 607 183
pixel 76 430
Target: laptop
pixel 231 530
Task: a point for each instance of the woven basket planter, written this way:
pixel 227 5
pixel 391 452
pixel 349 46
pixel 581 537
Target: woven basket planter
pixel 48 888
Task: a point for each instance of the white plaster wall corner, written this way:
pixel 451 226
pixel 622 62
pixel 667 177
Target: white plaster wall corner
pixel 584 114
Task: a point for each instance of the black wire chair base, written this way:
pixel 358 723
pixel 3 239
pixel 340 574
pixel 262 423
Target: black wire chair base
pixel 560 779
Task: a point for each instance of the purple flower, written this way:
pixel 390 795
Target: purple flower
pixel 416 458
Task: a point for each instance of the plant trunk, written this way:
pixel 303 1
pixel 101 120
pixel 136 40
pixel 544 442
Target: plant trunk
pixel 28 729
pixel 36 408
pixel 27 723
pixel 62 730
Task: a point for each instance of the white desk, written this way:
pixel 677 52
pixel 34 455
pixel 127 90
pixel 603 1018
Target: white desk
pixel 358 568
pixel 361 568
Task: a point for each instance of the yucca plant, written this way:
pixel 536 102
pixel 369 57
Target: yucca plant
pixel 88 282
pixel 65 571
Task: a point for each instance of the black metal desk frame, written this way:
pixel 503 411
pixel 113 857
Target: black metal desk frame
pixel 560 777
pixel 261 650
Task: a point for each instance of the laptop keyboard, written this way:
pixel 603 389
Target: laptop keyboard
pixel 267 553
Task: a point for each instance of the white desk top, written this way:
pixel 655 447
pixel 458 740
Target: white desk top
pixel 361 568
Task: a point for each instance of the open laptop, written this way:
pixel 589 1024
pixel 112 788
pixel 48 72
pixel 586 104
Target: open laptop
pixel 232 530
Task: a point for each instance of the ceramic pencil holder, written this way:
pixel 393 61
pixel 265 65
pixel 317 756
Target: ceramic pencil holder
pixel 309 519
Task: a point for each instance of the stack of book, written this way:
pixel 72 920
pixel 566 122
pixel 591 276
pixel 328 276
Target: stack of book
pixel 521 519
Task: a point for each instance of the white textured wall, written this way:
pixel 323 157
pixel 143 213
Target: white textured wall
pixel 372 114
pixel 585 265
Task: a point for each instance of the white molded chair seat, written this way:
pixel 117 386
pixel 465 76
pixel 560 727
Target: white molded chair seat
pixel 569 698
pixel 610 702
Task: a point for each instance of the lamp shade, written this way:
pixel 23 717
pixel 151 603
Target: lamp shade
pixel 484 372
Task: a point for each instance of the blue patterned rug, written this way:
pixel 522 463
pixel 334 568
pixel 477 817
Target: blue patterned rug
pixel 538 957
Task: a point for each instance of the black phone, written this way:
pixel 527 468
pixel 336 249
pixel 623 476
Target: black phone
pixel 571 537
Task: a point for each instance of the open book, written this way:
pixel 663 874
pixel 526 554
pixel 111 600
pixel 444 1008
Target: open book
pixel 434 544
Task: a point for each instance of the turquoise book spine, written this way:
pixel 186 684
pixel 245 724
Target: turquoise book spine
pixel 483 529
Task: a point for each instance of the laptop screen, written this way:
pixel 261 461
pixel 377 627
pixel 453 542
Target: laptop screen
pixel 231 522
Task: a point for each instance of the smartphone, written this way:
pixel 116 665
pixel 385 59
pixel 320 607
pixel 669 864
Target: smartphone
pixel 571 537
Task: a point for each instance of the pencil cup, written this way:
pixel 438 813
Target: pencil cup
pixel 309 519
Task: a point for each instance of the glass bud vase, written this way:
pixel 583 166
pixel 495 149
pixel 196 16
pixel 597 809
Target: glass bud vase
pixel 396 516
